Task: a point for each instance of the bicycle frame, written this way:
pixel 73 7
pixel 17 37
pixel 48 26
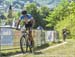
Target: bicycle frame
pixel 25 35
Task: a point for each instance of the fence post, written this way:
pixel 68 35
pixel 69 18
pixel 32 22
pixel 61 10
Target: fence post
pixel 0 41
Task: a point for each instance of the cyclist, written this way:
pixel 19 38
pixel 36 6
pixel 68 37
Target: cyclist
pixel 28 22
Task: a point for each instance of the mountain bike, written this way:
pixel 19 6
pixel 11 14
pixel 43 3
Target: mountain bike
pixel 25 42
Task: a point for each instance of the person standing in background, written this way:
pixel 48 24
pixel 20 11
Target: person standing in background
pixel 64 33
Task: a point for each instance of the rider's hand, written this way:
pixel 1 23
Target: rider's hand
pixel 17 28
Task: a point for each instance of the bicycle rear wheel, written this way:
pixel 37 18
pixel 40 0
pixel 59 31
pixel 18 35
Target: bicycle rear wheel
pixel 23 44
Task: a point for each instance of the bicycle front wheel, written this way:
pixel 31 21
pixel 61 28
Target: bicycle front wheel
pixel 23 44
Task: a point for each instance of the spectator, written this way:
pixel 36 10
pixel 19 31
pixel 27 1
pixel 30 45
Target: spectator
pixel 64 33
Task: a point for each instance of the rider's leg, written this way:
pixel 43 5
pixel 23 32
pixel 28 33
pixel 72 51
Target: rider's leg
pixel 30 39
pixel 27 46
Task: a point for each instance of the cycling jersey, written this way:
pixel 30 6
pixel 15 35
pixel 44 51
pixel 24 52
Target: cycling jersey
pixel 28 16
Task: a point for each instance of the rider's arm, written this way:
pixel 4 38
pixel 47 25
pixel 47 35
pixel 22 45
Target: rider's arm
pixel 33 21
pixel 21 17
pixel 18 23
pixel 31 18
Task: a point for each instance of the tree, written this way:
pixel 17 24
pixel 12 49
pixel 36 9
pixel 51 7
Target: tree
pixel 44 12
pixel 39 14
pixel 68 20
pixel 32 9
pixel 57 14
pixel 10 12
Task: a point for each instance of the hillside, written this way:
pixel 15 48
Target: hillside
pixel 63 16
pixel 69 23
pixel 50 3
pixel 68 20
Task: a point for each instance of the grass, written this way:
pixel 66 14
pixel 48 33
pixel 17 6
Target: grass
pixel 11 51
pixel 17 49
pixel 67 50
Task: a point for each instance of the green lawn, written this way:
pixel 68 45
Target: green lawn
pixel 11 50
pixel 67 50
